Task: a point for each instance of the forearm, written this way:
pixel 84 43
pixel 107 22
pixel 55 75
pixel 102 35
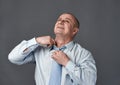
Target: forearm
pixel 84 74
pixel 22 51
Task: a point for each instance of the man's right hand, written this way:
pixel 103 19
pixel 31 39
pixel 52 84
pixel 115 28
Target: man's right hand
pixel 45 41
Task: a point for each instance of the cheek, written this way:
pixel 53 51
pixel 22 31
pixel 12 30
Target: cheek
pixel 54 27
pixel 68 27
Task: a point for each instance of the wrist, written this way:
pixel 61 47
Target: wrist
pixel 36 39
pixel 70 66
pixel 65 63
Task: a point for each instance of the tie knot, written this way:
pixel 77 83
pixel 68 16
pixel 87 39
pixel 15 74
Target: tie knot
pixel 62 48
pixel 55 48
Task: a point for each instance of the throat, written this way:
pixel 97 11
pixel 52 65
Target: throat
pixel 61 42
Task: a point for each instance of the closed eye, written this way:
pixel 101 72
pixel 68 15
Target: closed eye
pixel 67 21
pixel 63 20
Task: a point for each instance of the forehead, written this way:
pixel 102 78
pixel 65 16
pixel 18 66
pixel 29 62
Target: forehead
pixel 67 16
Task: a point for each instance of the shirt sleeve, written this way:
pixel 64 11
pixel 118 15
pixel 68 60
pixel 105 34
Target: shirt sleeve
pixel 83 71
pixel 23 52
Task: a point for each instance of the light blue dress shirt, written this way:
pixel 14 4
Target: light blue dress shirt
pixel 80 70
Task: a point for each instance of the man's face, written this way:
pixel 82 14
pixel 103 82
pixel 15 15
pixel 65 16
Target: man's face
pixel 65 25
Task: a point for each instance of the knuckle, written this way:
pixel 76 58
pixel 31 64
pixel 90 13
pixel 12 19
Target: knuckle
pixel 48 37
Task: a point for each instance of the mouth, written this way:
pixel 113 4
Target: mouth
pixel 60 27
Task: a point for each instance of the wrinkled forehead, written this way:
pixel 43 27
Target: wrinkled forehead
pixel 65 15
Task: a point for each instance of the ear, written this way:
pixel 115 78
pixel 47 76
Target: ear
pixel 75 31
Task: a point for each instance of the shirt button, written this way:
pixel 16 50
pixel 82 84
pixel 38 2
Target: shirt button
pixel 71 80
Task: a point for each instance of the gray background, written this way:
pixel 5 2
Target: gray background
pixel 99 33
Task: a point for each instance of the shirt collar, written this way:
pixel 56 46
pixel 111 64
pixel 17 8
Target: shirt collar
pixel 68 46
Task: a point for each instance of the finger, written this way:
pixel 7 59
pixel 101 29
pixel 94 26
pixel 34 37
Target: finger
pixel 49 45
pixel 52 41
pixel 56 51
pixel 61 52
pixel 53 53
pixel 54 57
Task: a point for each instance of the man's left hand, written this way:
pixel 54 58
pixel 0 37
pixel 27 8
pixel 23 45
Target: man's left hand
pixel 60 57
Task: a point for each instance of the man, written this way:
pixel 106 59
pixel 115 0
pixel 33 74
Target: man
pixel 77 64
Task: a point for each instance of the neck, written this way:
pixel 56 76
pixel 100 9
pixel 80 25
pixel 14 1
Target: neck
pixel 61 41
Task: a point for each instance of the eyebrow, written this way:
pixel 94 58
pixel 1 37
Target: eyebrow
pixel 68 19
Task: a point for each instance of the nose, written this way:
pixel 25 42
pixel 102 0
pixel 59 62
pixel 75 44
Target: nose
pixel 61 21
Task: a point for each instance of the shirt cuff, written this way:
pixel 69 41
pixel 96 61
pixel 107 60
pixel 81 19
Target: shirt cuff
pixel 32 42
pixel 70 66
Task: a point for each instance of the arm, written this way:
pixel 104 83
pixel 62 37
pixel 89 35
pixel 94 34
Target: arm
pixel 80 72
pixel 84 71
pixel 23 53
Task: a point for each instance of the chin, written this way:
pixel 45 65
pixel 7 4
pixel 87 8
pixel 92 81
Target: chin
pixel 58 33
